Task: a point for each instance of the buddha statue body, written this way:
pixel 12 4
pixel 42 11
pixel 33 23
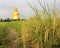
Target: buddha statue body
pixel 15 14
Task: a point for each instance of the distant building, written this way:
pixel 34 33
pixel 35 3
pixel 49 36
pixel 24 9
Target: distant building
pixel 15 14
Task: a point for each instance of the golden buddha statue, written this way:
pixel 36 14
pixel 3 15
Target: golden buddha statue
pixel 15 14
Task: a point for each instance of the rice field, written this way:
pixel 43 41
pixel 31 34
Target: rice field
pixel 40 31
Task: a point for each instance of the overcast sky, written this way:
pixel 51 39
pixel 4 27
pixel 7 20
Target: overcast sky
pixel 7 6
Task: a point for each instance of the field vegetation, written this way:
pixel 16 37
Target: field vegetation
pixel 41 31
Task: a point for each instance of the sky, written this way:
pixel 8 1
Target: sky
pixel 7 7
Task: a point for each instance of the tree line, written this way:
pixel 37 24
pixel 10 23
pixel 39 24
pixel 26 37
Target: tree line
pixel 9 20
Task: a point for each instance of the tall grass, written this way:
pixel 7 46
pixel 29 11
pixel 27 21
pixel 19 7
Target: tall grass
pixel 41 32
